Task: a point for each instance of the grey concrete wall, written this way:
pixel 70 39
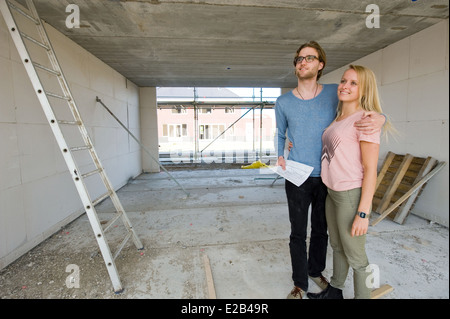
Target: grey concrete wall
pixel 37 196
pixel 413 79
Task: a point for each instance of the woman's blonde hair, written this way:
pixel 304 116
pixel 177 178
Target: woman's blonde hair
pixel 369 99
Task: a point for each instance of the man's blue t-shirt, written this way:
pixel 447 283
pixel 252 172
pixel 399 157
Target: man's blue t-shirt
pixel 305 121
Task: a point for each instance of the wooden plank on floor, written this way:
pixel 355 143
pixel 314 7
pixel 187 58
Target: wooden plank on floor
pixel 209 278
pixel 380 292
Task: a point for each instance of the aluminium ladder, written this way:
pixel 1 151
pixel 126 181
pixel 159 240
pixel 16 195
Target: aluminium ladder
pixel 7 7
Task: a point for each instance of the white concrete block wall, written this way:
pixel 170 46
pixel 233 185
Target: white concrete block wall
pixel 413 77
pixel 149 129
pixel 37 196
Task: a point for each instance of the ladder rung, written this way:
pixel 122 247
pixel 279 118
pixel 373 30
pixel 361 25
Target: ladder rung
pixel 58 96
pixel 69 122
pixel 91 173
pixel 46 69
pixel 35 41
pixel 112 221
pixel 122 245
pixel 98 200
pixel 80 148
pixel 16 7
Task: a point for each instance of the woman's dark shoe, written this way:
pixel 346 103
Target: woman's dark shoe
pixel 328 293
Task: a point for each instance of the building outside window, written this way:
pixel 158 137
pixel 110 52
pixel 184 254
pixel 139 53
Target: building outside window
pixel 199 120
pixel 174 130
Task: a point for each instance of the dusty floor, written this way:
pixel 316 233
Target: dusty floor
pixel 234 217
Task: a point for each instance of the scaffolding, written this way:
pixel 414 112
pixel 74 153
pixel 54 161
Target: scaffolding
pixel 198 106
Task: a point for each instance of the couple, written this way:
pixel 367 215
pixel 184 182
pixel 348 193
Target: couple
pixel 334 128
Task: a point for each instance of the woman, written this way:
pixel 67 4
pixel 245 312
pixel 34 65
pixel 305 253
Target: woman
pixel 349 170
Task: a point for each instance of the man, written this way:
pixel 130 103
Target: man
pixel 304 113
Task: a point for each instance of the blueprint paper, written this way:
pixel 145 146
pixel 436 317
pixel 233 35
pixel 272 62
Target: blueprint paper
pixel 295 172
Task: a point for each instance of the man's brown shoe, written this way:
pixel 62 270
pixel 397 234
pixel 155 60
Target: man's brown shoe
pixel 296 293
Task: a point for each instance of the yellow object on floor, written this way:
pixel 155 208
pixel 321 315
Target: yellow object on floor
pixel 256 164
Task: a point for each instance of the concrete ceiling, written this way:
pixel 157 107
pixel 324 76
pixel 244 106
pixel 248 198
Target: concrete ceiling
pixel 233 43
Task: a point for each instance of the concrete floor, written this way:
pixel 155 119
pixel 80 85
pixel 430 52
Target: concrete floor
pixel 240 222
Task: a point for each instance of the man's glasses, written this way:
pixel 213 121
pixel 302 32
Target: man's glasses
pixel 308 58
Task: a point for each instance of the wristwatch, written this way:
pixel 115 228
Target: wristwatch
pixel 362 214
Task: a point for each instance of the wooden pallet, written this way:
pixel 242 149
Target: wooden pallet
pixel 400 182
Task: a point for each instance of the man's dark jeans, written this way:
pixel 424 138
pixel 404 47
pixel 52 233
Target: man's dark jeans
pixel 313 192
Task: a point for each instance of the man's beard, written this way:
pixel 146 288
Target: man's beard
pixel 307 76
